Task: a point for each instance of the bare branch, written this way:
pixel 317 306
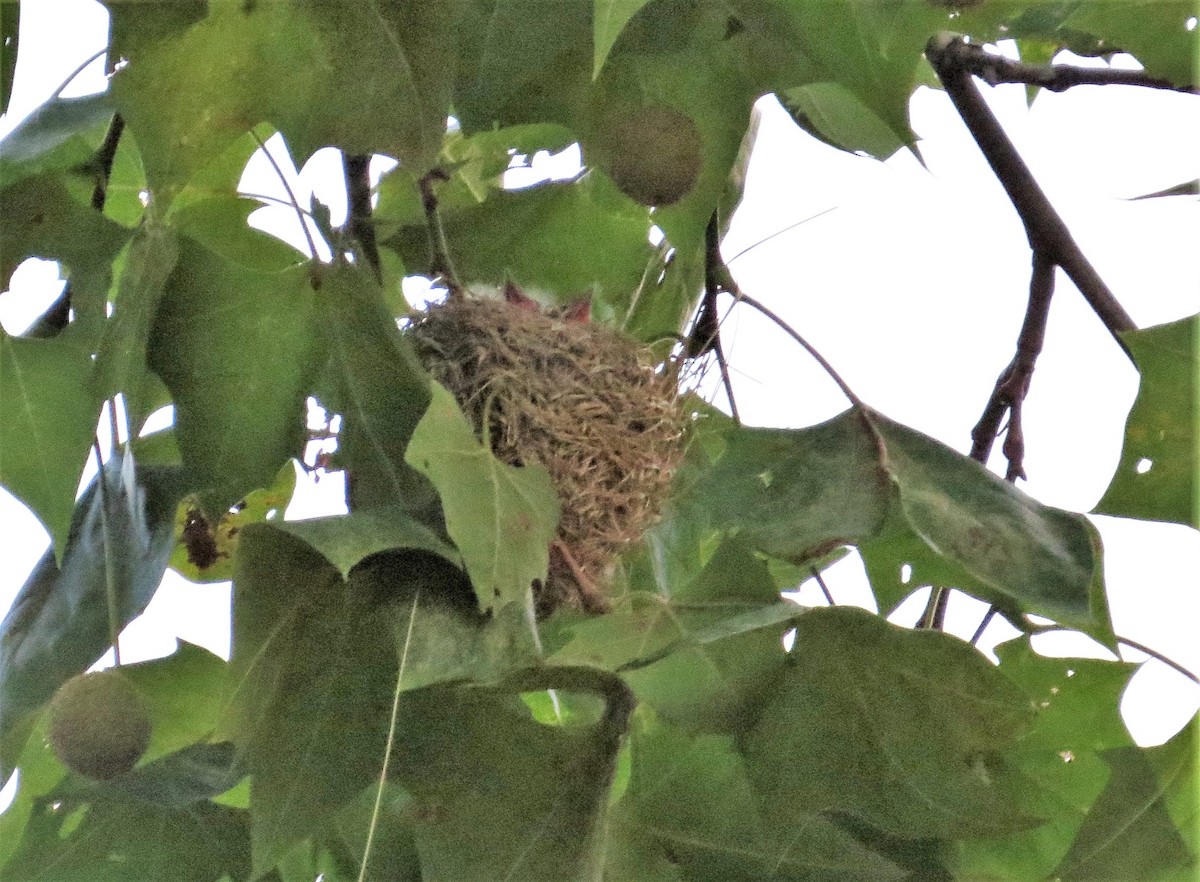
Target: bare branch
pixel 705 335
pixel 358 220
pixel 995 69
pixel 1047 233
pixel 1013 384
pixel 440 262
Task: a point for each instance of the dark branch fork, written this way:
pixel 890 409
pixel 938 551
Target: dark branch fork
pixel 996 69
pixel 955 60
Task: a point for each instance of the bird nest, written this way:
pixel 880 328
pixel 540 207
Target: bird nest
pixel 582 400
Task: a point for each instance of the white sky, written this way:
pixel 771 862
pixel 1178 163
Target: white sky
pixel 913 288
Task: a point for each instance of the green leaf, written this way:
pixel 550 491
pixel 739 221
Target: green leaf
pixel 346 540
pixel 183 693
pixel 1077 700
pixel 42 219
pixel 312 674
pixel 834 114
pixel 598 236
pixel 794 494
pixel 893 726
pixel 395 58
pixel 690 813
pixel 1156 477
pixel 60 135
pixel 1055 770
pixel 40 773
pixel 1128 834
pixel 376 383
pixel 189 93
pixel 193 774
pixel 10 16
pixel 121 366
pixel 1046 559
pixel 1155 31
pixel 221 224
pixel 502 518
pixel 869 49
pixel 47 420
pixel 497 795
pixel 609 18
pixel 118 841
pixel 511 70
pixel 58 624
pixel 239 350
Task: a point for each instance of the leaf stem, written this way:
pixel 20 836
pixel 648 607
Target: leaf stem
pixel 312 245
pixel 804 344
pixel 391 740
pixel 110 576
pixel 1133 644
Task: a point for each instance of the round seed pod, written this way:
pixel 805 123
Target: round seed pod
pixel 99 724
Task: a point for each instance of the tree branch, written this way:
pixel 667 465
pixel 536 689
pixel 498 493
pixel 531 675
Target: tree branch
pixel 995 69
pixel 705 335
pixel 440 263
pixel 1013 384
pixel 58 315
pixel 1047 233
pixel 358 220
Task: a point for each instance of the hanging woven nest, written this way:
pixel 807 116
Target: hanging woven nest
pixel 582 400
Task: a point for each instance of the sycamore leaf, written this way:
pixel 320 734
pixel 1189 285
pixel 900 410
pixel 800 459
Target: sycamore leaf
pixel 238 349
pixel 1156 477
pixel 497 795
pixel 130 841
pixel 375 382
pixel 58 624
pixel 690 812
pixel 1046 559
pixel 896 727
pixel 609 18
pixel 501 517
pixel 60 135
pixel 1128 833
pixel 47 419
pixel 346 540
pixel 311 681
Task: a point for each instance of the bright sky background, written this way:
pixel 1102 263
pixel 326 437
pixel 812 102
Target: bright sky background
pixel 913 288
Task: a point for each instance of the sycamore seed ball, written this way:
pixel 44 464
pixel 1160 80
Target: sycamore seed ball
pixel 652 153
pixel 99 725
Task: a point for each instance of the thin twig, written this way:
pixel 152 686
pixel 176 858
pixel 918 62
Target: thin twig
pixel 816 574
pixel 358 215
pixel 312 245
pixel 791 332
pixel 110 576
pixel 1013 383
pixel 1133 644
pixel 786 229
pixel 102 160
pixel 987 620
pixel 948 53
pixel 996 69
pixel 440 263
pixel 391 739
